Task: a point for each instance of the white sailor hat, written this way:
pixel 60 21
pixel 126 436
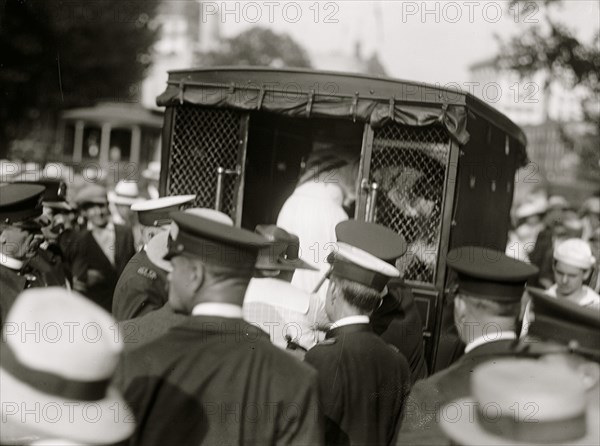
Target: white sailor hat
pixel 352 263
pixel 575 252
pixel 156 212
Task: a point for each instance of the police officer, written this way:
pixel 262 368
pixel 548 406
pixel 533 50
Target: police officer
pixel 142 286
pixel 486 309
pixel 363 380
pixel 20 234
pixel 397 319
pixel 52 260
pixel 215 378
pixel 563 339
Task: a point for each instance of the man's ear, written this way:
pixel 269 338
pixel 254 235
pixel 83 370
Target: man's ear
pixel 332 291
pixel 197 275
pixel 460 309
pixel 587 273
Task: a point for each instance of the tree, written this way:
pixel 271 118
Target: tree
pixel 258 47
pixel 57 55
pixel 550 46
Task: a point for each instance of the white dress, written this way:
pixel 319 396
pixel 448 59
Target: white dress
pixel 312 213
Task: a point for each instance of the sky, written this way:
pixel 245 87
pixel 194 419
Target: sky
pixel 430 41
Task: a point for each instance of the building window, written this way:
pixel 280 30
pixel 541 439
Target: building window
pixel 120 145
pixel 91 142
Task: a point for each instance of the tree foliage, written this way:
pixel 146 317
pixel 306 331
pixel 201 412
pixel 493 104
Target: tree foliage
pixel 61 54
pixel 258 47
pixel 552 47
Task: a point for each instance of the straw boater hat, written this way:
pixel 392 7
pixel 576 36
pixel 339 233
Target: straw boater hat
pixel 523 401
pixel 126 193
pixel 156 212
pixel 90 195
pixel 59 353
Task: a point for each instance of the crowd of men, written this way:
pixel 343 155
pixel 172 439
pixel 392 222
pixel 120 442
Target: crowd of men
pixel 169 325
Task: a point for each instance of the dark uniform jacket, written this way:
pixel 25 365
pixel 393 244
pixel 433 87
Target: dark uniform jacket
pixel 398 322
pixel 12 283
pixel 49 261
pixel 88 255
pixel 219 381
pixel 422 413
pixel 145 329
pixel 142 288
pixel 363 384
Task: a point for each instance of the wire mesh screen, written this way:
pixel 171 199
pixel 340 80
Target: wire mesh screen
pixel 409 165
pixel 203 140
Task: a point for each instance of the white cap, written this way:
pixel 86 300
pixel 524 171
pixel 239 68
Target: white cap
pixel 126 192
pixel 536 207
pixel 591 206
pixel 558 201
pixel 575 252
pixel 153 171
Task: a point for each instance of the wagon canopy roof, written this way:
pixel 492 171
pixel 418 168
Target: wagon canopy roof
pixel 304 93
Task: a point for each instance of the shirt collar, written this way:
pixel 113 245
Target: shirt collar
pixel 504 335
pixel 218 309
pixel 349 320
pixel 11 263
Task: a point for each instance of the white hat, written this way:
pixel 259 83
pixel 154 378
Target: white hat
pixel 156 212
pixel 591 205
pixel 351 263
pixel 153 171
pixel 558 202
pixel 211 214
pixel 126 193
pixel 536 207
pixel 575 252
pixel 59 353
pixel 522 401
pixel 158 246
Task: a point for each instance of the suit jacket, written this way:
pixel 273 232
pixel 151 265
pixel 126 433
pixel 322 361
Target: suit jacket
pixel 363 384
pixel 420 425
pixel 219 381
pixel 398 322
pixel 141 288
pixel 88 255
